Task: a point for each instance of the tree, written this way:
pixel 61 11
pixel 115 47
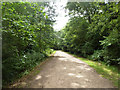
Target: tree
pixel 27 31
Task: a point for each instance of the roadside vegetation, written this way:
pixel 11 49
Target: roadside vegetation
pixel 106 71
pixel 28 36
pixel 93 32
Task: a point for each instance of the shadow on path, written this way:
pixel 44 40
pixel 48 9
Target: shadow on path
pixel 65 71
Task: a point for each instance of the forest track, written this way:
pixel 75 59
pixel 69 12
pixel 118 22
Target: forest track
pixel 65 71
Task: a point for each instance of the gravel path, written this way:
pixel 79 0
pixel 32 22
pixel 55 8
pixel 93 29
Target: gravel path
pixel 65 71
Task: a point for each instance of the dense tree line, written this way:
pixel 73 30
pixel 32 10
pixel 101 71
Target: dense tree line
pixel 93 31
pixel 27 31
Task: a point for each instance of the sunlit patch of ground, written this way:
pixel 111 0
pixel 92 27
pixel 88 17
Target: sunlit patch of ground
pixel 109 72
pixel 65 71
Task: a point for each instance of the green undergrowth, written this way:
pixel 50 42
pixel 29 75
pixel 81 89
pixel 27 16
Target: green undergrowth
pixel 106 71
pixel 53 52
pixel 23 66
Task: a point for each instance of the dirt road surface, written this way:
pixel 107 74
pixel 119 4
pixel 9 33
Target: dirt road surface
pixel 65 71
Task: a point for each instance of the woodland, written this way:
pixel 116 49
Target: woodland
pixel 28 36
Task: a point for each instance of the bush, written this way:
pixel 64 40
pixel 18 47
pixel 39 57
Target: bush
pixel 20 65
pixel 97 55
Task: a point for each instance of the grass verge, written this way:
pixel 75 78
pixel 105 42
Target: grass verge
pixel 108 72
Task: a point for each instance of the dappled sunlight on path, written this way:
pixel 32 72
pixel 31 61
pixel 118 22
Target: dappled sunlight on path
pixel 65 71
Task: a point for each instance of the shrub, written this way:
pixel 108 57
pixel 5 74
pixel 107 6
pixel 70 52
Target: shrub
pixel 20 65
